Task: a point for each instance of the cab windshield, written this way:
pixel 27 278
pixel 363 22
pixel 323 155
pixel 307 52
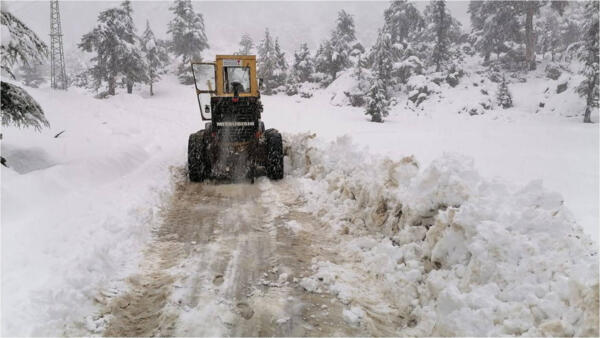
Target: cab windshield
pixel 237 76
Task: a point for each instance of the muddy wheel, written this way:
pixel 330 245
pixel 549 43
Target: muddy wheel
pixel 197 166
pixel 274 165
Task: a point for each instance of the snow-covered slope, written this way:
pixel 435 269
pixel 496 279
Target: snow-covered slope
pixel 77 208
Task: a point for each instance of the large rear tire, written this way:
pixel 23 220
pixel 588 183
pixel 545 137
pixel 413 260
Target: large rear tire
pixel 197 166
pixel 274 163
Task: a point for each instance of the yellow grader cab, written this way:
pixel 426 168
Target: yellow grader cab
pixel 234 143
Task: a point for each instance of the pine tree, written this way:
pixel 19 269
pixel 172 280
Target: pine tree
pixel 343 39
pixel 246 45
pixel 443 30
pixel 19 44
pixel 266 61
pixel 323 66
pixel 530 8
pixel 359 73
pixel 403 22
pixel 303 66
pixel 495 25
pixel 503 97
pixel 155 55
pixel 24 45
pixel 272 66
pixel 378 98
pixel 406 26
pixel 20 109
pixel 117 50
pixel 334 55
pixel 548 28
pixel 188 37
pixel 134 70
pixel 591 59
pixel 281 65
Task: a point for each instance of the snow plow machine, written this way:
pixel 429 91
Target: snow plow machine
pixel 234 143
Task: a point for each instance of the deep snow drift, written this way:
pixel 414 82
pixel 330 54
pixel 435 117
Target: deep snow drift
pixel 453 253
pixel 441 241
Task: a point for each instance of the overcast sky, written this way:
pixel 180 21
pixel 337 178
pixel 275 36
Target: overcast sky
pixel 292 22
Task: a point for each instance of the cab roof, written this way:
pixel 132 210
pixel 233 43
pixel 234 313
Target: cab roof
pixel 238 57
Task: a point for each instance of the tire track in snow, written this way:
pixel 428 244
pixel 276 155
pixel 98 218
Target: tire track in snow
pixel 223 262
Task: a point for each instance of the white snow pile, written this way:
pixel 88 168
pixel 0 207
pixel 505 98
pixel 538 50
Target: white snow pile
pixel 452 253
pixel 79 200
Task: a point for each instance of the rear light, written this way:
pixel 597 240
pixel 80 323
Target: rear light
pixel 235 100
pixel 258 134
pixel 213 134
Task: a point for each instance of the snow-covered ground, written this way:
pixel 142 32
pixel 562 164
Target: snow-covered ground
pixel 77 209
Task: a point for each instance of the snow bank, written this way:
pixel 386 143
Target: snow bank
pixel 78 208
pixel 453 253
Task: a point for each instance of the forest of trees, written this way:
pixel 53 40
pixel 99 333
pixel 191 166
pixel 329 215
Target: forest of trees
pixel 509 37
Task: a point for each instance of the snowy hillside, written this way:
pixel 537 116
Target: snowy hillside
pixel 77 209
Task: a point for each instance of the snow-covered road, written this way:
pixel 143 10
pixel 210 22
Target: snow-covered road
pixel 226 261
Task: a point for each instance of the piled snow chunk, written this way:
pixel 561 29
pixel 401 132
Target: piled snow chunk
pixel 353 315
pixel 450 252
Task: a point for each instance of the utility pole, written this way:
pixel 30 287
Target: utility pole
pixel 58 75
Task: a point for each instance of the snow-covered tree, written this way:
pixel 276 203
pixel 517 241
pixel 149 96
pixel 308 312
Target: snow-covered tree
pixel 188 37
pixel 19 44
pixel 117 51
pixel 378 98
pixel 134 70
pixel 405 26
pixel 272 66
pixel 403 22
pixel 335 54
pixel 530 8
pixel 442 31
pixel 155 55
pixel 359 72
pixel 495 26
pixel 590 56
pixel 548 29
pixel 281 64
pixel 503 97
pixel 303 66
pixel 322 60
pixel 246 45
pixel 266 61
pixel 343 40
pixel 20 109
pixel 377 101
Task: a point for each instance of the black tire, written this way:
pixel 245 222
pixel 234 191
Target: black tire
pixel 197 168
pixel 274 165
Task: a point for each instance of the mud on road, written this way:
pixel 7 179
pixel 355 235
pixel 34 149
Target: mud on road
pixel 227 260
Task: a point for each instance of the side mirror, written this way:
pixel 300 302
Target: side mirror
pixel 260 83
